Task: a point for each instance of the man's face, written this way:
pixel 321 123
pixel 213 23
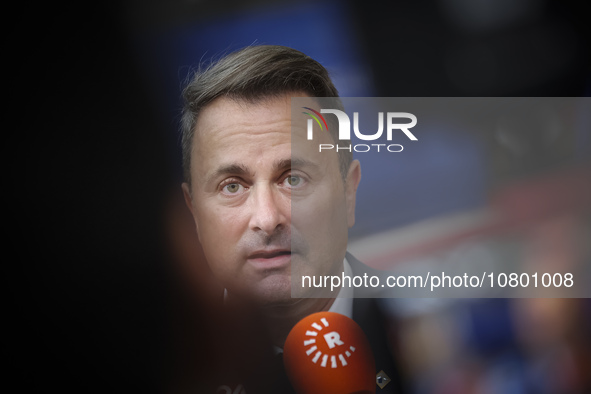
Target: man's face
pixel 264 199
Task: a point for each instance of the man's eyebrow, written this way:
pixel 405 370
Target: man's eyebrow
pixel 293 163
pixel 229 169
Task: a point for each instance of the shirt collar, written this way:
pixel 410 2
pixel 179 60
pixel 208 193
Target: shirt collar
pixel 343 303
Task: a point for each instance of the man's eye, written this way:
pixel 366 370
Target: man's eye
pixel 232 188
pixel 293 180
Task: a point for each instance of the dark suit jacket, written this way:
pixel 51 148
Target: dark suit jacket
pixel 369 314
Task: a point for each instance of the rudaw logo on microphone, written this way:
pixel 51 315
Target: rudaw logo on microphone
pixel 320 337
pixel 327 352
pixel 344 130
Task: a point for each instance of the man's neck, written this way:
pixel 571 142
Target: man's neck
pixel 280 319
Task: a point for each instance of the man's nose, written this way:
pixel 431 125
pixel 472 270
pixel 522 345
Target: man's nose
pixel 268 209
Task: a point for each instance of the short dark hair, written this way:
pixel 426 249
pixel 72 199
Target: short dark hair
pixel 255 73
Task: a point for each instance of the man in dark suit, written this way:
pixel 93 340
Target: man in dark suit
pixel 269 208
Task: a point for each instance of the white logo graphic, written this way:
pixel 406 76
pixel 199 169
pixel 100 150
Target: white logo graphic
pixel 344 131
pixel 332 339
pixel 345 125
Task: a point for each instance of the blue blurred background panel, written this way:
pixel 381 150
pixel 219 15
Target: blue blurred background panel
pixel 323 30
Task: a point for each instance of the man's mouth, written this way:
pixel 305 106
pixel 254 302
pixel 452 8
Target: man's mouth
pixel 270 258
pixel 269 254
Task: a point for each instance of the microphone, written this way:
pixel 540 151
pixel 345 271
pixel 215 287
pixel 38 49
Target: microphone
pixel 328 353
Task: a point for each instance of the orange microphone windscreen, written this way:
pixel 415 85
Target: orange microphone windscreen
pixel 328 353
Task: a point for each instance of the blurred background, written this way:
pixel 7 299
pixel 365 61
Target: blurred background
pixel 109 248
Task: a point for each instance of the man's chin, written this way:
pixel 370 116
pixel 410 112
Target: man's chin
pixel 269 291
pixel 273 296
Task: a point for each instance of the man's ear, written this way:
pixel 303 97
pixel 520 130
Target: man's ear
pixel 351 184
pixel 189 202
